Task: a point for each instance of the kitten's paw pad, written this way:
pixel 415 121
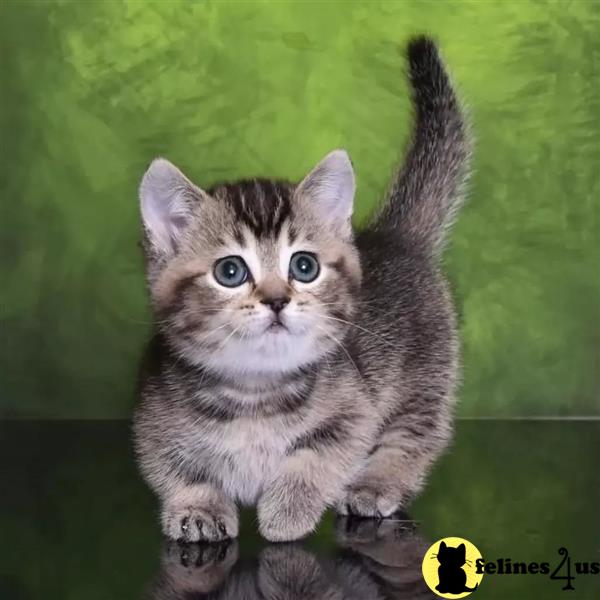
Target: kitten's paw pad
pixel 366 501
pixel 195 524
pixel 289 511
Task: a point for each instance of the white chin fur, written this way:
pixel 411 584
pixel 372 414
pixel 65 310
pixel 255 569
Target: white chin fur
pixel 273 352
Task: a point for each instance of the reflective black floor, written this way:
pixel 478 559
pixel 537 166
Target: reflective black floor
pixel 76 522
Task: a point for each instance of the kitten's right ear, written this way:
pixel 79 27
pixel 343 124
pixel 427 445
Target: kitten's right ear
pixel 166 200
pixel 329 189
pixel 443 546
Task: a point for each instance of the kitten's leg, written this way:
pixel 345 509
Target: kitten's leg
pixel 313 477
pixel 398 465
pixel 199 512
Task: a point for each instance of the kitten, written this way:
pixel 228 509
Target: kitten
pixel 300 365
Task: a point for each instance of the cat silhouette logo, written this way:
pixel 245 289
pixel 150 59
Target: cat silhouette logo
pixel 449 568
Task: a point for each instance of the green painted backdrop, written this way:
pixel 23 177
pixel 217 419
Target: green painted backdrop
pixel 91 91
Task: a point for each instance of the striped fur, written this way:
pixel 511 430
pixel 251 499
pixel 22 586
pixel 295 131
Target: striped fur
pixel 350 403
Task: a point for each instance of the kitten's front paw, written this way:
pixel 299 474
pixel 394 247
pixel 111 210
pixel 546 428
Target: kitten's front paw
pixel 369 500
pixel 200 524
pixel 290 509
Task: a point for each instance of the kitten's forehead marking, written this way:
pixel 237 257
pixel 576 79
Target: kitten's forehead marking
pixel 261 205
pixel 267 231
pixel 252 255
pixel 284 247
pixel 270 253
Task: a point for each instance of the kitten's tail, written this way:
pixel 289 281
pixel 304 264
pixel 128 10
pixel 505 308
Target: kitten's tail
pixel 427 192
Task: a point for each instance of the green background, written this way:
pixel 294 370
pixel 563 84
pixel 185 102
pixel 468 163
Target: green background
pixel 92 91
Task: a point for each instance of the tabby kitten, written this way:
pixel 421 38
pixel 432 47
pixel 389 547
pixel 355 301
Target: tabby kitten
pixel 301 365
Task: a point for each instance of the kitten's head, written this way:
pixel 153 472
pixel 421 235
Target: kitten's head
pixel 255 276
pixel 451 557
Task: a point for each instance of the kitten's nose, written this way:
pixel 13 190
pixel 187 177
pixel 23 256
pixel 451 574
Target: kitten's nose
pixel 276 304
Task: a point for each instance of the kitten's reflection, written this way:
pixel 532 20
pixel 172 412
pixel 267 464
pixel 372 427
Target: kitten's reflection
pixel 376 560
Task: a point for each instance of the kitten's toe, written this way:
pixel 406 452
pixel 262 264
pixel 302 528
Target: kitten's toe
pixel 200 524
pixel 366 501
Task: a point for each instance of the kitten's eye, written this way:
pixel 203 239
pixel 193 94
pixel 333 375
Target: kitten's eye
pixel 304 267
pixel 231 271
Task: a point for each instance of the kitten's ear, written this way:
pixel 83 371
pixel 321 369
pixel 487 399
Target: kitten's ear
pixel 329 190
pixel 462 549
pixel 442 546
pixel 167 197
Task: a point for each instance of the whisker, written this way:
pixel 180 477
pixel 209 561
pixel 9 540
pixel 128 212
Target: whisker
pixel 137 322
pixel 358 327
pixel 341 303
pixel 347 303
pixel 201 339
pixel 166 321
pixel 228 337
pixel 342 347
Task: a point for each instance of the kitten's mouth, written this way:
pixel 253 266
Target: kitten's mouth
pixel 275 327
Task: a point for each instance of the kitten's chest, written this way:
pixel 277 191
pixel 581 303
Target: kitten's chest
pixel 249 455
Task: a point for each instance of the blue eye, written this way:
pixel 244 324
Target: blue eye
pixel 304 267
pixel 231 271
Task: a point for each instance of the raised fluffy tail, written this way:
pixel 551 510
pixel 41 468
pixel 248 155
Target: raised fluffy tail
pixel 427 192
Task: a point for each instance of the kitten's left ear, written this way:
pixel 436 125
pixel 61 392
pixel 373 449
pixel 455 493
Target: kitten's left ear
pixel 167 199
pixel 329 190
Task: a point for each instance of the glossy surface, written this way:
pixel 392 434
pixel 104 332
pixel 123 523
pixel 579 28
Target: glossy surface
pixel 76 522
